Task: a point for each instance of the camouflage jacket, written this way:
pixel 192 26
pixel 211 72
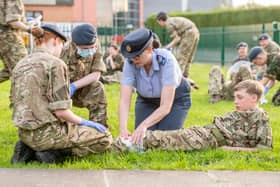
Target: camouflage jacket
pixel 118 61
pixel 238 58
pixel 272 50
pixel 40 85
pixel 78 66
pixel 178 25
pixel 245 129
pixel 11 10
pixel 273 69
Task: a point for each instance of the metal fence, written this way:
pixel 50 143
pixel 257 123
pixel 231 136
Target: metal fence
pixel 216 45
pixel 105 34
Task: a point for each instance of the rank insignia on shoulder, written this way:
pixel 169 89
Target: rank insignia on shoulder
pixel 161 60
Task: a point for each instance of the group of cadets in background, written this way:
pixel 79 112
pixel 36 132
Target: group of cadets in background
pixel 58 72
pixel 260 63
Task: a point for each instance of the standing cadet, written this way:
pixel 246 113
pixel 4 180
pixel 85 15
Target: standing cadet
pixel 83 57
pixel 242 49
pixel 41 107
pixel 163 93
pixel 271 47
pixel 246 129
pixel 12 48
pixel 114 62
pixel 185 32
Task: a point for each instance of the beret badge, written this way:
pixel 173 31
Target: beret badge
pixel 128 48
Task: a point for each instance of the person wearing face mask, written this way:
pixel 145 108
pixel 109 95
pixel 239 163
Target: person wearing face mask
pixel 48 129
pixel 83 57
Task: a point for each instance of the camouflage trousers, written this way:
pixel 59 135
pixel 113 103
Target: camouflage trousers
pixel 12 50
pixel 218 86
pixel 188 139
pixel 83 140
pixel 193 138
pixel 187 49
pixel 94 99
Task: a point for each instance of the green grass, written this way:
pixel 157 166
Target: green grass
pixel 201 113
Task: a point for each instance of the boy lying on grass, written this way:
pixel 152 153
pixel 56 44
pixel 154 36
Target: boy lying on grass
pixel 246 129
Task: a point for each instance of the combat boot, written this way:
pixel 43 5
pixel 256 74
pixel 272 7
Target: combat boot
pixel 53 156
pixel 22 153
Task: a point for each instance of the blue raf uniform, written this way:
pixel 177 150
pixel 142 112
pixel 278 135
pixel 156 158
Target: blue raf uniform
pixel 165 71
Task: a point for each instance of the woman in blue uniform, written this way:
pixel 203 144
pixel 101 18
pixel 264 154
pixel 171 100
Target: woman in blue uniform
pixel 163 95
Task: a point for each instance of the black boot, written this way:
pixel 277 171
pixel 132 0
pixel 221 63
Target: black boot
pixel 22 153
pixel 53 156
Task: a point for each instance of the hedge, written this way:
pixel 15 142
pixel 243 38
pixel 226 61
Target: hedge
pixel 225 17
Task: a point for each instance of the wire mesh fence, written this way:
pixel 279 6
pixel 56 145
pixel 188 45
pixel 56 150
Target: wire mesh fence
pixel 216 44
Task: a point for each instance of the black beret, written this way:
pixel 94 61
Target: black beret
pixel 136 42
pixel 241 44
pixel 55 30
pixel 161 15
pixel 254 52
pixel 264 36
pixel 113 44
pixel 84 34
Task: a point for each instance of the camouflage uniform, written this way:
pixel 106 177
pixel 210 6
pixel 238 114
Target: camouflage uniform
pixel 92 96
pixel 12 47
pixel 40 86
pixel 189 34
pixel 272 49
pixel 113 75
pixel 273 73
pixel 237 129
pixel 238 58
pixel 218 86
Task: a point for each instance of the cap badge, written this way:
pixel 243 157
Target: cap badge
pixel 128 48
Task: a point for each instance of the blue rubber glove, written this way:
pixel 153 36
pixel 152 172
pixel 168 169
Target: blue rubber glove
pixel 265 90
pixel 92 124
pixel 73 89
pixel 259 75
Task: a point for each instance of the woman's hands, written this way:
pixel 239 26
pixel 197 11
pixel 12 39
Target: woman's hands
pixel 124 133
pixel 139 134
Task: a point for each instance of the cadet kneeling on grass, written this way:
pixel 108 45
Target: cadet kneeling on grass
pixel 247 128
pixel 48 129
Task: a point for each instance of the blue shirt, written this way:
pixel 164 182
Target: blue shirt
pixel 165 71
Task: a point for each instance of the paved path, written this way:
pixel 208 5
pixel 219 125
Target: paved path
pixel 135 178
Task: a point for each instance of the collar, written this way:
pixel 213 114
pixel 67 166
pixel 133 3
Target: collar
pixel 41 50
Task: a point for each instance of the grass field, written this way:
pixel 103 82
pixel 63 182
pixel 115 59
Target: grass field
pixel 201 113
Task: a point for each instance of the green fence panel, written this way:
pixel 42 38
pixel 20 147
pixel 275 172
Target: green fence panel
pixel 217 44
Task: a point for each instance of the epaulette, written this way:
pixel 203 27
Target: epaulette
pixel 161 59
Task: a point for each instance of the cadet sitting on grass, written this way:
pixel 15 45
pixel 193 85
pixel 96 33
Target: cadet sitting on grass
pixel 246 129
pixel 114 62
pixel 220 89
pixel 42 107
